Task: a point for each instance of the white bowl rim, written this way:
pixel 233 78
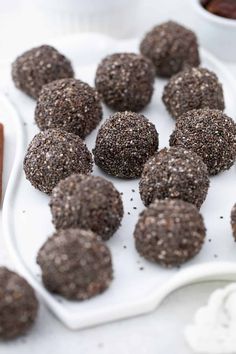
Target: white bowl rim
pixel 215 18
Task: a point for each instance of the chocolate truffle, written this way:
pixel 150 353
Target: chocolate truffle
pixel 193 88
pixel 210 134
pixel 68 104
pixel 233 221
pixel 87 202
pixel 170 47
pixel 39 66
pixel 18 305
pixel 76 264
pixel 125 81
pixel 169 232
pixel 124 143
pixel 174 173
pixel 53 155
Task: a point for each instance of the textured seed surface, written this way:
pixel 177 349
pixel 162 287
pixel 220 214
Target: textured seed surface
pixel 87 202
pixel 233 221
pixel 53 155
pixel 124 143
pixel 68 104
pixel 193 88
pixel 169 232
pixel 125 81
pixel 18 305
pixel 39 66
pixel 174 173
pixel 76 264
pixel 209 133
pixel 170 47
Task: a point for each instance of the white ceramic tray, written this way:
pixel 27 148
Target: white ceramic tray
pixel 138 285
pixel 7 113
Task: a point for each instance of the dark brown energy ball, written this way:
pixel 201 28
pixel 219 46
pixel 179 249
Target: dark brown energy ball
pixel 170 47
pixel 125 81
pixel 18 305
pixel 87 202
pixel 209 133
pixel 169 232
pixel 68 104
pixel 174 173
pixel 39 66
pixel 53 155
pixel 76 264
pixel 193 88
pixel 233 221
pixel 124 143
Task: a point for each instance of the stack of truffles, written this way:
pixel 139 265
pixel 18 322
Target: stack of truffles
pixel 87 210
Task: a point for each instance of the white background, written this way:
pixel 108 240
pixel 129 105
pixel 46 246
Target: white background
pixel 160 332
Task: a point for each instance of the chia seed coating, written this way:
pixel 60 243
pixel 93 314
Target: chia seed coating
pixel 124 143
pixel 75 264
pixel 18 305
pixel 193 88
pixel 233 221
pixel 39 66
pixel 87 202
pixel 169 232
pixel 170 47
pixel 125 81
pixel 68 104
pixel 209 133
pixel 174 173
pixel 53 155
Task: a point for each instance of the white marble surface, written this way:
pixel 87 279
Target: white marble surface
pixel 160 332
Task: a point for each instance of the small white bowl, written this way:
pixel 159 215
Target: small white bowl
pixel 216 33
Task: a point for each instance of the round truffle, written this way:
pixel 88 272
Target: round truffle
pixel 170 47
pixel 125 81
pixel 68 104
pixel 169 232
pixel 124 143
pixel 210 134
pixel 76 264
pixel 39 66
pixel 87 202
pixel 53 155
pixel 193 88
pixel 233 221
pixel 174 173
pixel 18 305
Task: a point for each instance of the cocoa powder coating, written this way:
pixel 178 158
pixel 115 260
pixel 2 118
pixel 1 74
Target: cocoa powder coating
pixel 124 143
pixel 39 66
pixel 125 81
pixel 68 104
pixel 18 305
pixel 75 264
pixel 53 155
pixel 87 202
pixel 233 221
pixel 171 47
pixel 174 173
pixel 169 232
pixel 193 88
pixel 209 133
